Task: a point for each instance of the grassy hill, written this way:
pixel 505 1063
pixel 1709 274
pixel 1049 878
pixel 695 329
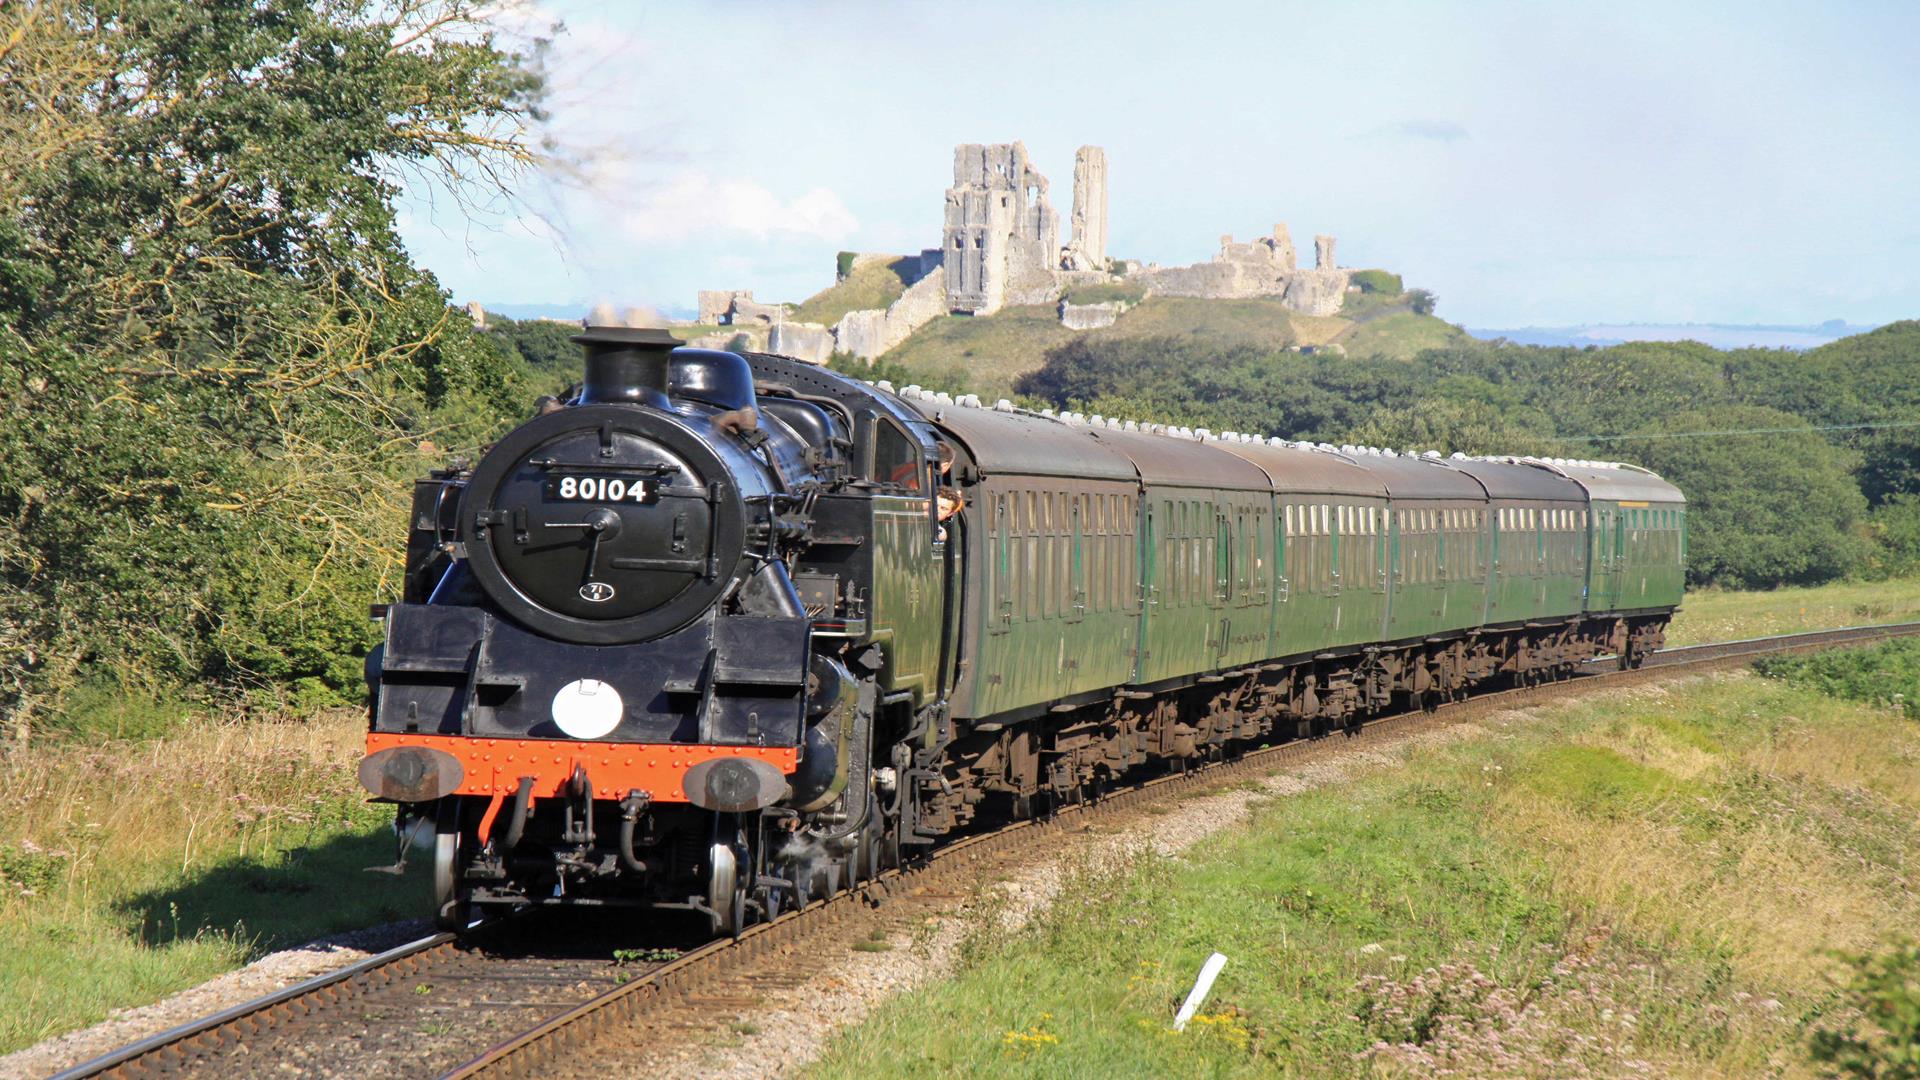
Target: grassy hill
pixel 986 355
pixel 875 284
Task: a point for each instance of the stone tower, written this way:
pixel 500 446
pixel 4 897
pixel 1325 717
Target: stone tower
pixel 1323 253
pixel 1283 253
pixel 1088 248
pixel 1000 232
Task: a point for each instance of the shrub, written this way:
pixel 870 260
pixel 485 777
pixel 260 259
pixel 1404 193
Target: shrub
pixel 843 264
pixel 1885 674
pixel 1423 301
pixel 1378 281
pixel 1881 1039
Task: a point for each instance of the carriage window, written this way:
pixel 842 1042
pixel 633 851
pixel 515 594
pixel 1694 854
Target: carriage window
pixel 897 459
pixel 1289 518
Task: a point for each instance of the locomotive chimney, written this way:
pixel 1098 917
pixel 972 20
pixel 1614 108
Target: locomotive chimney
pixel 626 365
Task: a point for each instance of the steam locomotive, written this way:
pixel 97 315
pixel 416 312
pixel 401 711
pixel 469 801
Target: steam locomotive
pixel 722 633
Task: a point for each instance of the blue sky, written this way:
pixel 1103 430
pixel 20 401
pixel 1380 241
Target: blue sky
pixel 1531 163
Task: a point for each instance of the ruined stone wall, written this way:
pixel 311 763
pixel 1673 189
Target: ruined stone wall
pixel 748 313
pixel 1266 266
pixel 811 342
pixel 1317 292
pixel 871 332
pixel 979 224
pixel 1282 241
pixel 715 304
pixel 1089 316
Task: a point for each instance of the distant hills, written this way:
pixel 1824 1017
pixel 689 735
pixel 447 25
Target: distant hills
pixel 1718 335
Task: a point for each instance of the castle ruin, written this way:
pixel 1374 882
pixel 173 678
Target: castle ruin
pixel 1000 246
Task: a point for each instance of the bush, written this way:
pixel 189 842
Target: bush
pixel 1881 1040
pixel 843 264
pixel 1423 301
pixel 1895 528
pixel 1884 674
pixel 1378 281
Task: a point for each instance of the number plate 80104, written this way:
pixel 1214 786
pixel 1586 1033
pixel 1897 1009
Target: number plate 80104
pixel 601 489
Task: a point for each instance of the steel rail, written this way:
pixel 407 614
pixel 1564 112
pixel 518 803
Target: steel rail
pixel 180 1043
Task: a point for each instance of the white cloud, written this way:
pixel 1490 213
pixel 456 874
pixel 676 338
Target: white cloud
pixel 692 203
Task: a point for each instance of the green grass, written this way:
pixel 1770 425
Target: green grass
pixel 1359 305
pixel 1885 674
pixel 1401 336
pixel 133 868
pixel 1261 323
pixel 1652 882
pixel 1726 615
pixel 988 355
pixel 966 353
pixel 870 285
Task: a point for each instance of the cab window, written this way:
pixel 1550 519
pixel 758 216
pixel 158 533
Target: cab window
pixel 897 460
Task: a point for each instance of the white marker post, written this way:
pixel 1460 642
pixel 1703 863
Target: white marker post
pixel 1209 971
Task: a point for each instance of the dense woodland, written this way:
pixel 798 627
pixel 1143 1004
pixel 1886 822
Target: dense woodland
pixel 1801 467
pixel 220 366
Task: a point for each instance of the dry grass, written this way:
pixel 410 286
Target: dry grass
pixel 1766 837
pixel 1725 615
pixel 130 869
pixel 1649 883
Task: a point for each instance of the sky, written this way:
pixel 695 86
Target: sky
pixel 1532 164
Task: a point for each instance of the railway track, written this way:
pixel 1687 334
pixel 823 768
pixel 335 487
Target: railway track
pixel 542 1002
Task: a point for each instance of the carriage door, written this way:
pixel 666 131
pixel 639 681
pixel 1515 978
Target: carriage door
pixel 1149 584
pixel 1223 571
pixel 1607 541
pixel 1077 565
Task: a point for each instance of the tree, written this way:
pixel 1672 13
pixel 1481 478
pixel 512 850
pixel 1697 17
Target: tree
pixel 1891 465
pixel 1452 426
pixel 217 360
pixel 1763 509
pixel 1422 301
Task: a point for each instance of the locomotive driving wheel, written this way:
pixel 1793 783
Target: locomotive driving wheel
pixel 452 897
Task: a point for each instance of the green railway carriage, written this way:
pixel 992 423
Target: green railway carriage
pixel 1202 527
pixel 1099 565
pixel 1637 537
pixel 1051 544
pixel 1327 592
pixel 1530 546
pixel 1430 589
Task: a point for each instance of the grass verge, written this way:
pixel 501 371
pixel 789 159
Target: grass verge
pixel 1650 882
pixel 130 868
pixel 1724 615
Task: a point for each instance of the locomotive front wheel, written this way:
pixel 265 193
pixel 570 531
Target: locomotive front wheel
pixel 452 903
pixel 725 897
